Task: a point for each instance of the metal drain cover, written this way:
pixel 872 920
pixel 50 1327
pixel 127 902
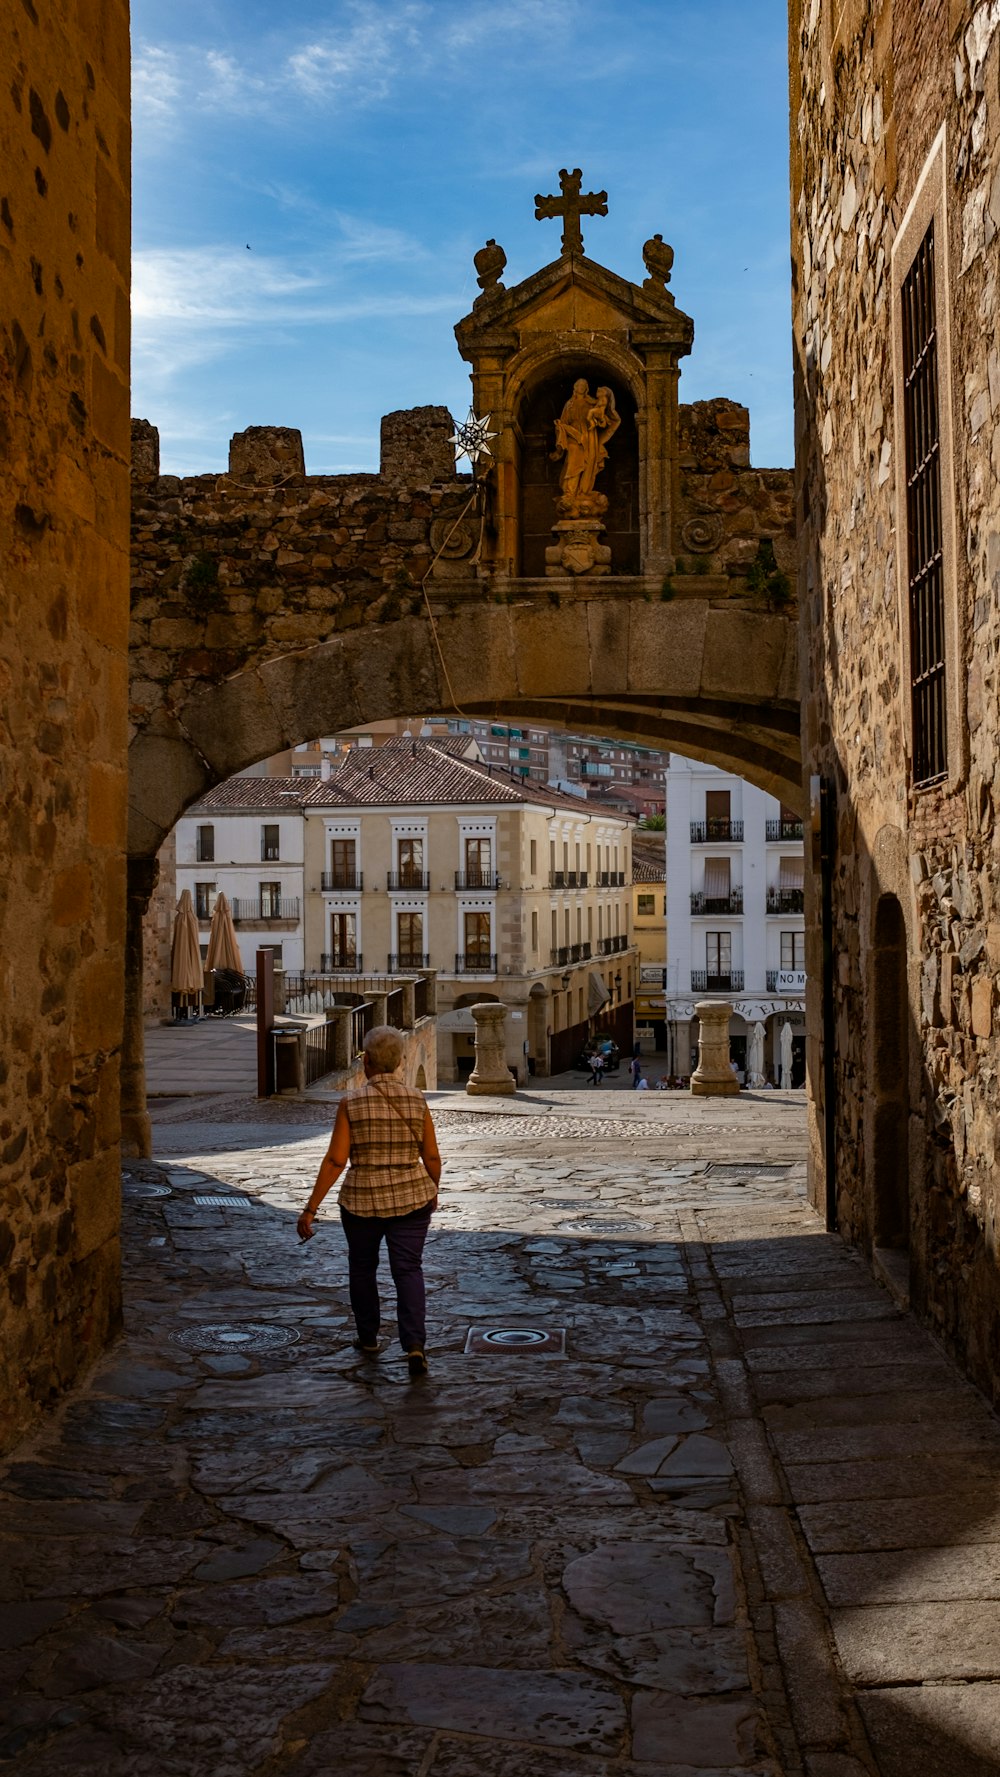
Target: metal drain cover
pixel 247 1335
pixel 595 1225
pixel 224 1202
pixel 748 1169
pixel 508 1341
pixel 143 1188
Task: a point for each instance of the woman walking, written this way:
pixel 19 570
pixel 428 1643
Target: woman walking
pixel 385 1130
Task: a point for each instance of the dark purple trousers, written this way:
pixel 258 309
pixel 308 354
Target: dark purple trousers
pixel 404 1237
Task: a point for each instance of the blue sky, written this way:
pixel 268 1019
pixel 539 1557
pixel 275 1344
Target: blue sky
pixel 364 150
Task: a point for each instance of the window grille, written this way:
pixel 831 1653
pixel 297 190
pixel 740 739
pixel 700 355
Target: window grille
pixel 925 575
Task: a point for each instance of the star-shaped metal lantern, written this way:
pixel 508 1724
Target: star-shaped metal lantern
pixel 470 438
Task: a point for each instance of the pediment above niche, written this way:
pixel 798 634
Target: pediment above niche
pixel 575 294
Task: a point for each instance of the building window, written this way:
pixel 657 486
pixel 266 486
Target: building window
pixel 343 863
pixel 343 940
pixel 411 864
pixel 534 931
pixel 204 845
pixel 717 813
pixel 477 863
pixel 646 906
pixel 719 958
pixel 204 899
pixel 533 859
pixel 270 900
pixel 924 549
pixel 270 845
pixel 410 937
pixel 793 952
pixel 477 937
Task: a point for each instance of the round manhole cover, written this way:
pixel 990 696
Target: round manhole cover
pixel 238 1336
pixel 143 1188
pixel 515 1336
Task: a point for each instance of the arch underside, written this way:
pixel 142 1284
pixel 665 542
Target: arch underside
pixel 717 684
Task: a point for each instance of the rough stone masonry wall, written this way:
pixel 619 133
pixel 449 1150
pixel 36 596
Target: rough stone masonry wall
pixel 64 354
pixel 866 105
pixel 230 570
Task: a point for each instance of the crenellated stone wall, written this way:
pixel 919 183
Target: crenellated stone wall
pixel 868 101
pixel 64 442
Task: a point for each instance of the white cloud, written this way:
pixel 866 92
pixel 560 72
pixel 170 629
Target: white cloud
pixel 358 63
pixel 156 86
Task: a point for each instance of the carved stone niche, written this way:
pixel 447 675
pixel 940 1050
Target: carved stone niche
pixel 576 322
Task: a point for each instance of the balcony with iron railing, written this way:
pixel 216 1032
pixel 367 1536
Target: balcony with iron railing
pixel 611 946
pixel 349 961
pixel 703 981
pixel 477 879
pixel 342 879
pixel 731 903
pixel 784 830
pixel 403 961
pixel 568 879
pixel 610 879
pixel 408 879
pixel 785 900
pixel 476 962
pixel 262 913
pixel 708 832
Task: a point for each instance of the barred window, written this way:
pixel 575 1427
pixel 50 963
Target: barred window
pixel 924 565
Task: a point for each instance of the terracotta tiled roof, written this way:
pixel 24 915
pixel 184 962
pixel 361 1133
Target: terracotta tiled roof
pixel 648 863
pixel 402 773
pixel 254 795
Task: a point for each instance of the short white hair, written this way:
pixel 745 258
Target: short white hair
pixel 384 1048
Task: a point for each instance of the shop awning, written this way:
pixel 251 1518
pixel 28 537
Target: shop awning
pixel 597 993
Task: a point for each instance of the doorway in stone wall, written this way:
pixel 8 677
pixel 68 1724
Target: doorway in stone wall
pixel 891 1093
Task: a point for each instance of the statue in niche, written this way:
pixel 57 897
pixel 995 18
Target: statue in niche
pixel 583 429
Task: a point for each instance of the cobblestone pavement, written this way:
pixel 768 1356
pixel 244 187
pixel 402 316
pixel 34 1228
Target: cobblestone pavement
pixel 730 1513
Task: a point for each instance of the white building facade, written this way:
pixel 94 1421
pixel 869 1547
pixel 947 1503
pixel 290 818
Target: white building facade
pixel 248 846
pixel 735 924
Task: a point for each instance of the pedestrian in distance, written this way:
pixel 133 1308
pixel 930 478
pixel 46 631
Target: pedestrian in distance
pixel 635 1069
pixel 596 1069
pixel 389 1193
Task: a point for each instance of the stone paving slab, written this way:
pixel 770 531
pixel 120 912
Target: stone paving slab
pixel 242 1562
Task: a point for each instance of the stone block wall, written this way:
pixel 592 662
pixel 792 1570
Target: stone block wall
pixel 64 358
pixel 868 101
pixel 157 936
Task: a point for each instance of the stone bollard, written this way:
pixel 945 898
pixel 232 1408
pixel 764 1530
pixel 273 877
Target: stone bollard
pixel 491 1077
pixel 713 1077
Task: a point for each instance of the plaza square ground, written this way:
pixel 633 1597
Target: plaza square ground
pixel 721 1508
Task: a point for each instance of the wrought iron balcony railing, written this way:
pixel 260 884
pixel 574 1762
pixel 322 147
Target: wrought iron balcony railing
pixel 476 962
pixel 349 961
pixel 342 879
pixel 731 903
pixel 477 879
pixel 703 981
pixel 254 913
pixel 705 832
pixel 785 900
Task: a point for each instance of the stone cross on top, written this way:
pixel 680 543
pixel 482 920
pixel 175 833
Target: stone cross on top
pixel 571 206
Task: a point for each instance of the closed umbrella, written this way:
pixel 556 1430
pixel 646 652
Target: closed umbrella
pixel 786 1057
pixel 755 1056
pixel 223 949
pixel 186 975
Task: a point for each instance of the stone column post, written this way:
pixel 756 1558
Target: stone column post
pixel 491 1077
pixel 137 1130
pixel 713 1077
